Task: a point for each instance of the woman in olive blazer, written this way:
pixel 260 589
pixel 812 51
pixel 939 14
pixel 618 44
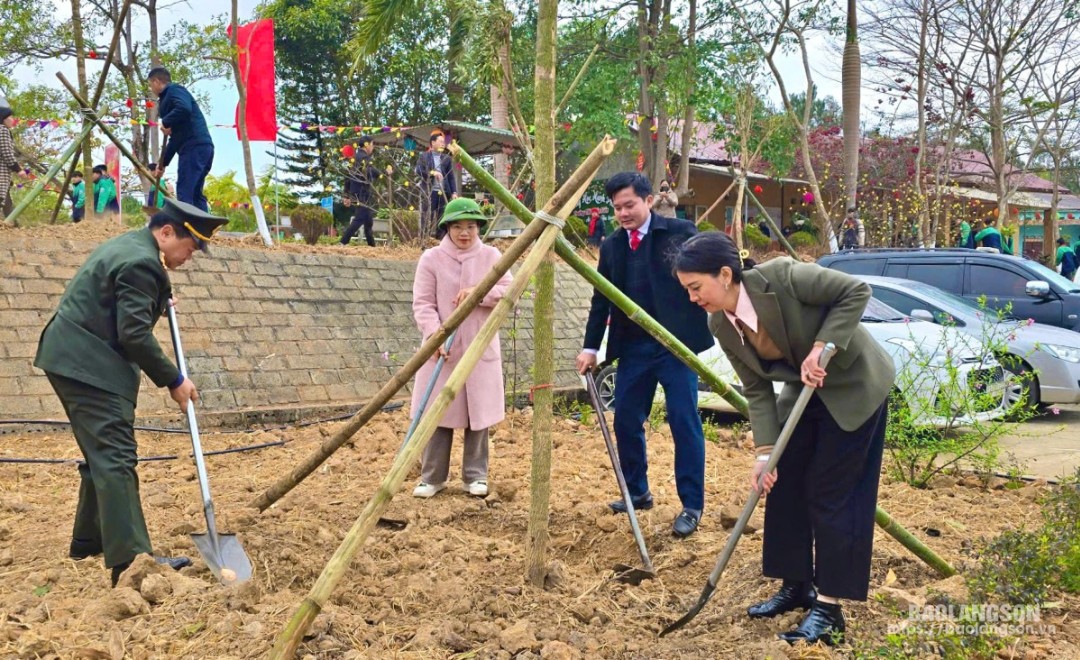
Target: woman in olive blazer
pixel 772 322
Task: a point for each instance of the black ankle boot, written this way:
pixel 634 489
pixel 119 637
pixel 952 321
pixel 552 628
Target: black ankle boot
pixel 792 596
pixel 823 622
pixel 83 548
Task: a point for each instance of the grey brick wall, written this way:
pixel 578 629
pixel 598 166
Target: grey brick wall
pixel 264 329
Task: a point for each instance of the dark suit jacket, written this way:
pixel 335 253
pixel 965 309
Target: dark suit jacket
pixel 103 331
pixel 426 164
pixel 180 112
pixel 684 319
pixel 798 304
pixel 362 174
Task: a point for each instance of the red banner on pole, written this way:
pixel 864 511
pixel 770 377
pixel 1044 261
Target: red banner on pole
pixel 257 72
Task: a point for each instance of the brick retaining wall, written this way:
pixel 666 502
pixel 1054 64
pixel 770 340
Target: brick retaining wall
pixel 261 329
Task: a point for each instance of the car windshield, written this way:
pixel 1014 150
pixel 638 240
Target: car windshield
pixel 1052 277
pixel 878 312
pixel 949 302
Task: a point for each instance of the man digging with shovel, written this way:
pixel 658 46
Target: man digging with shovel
pixel 93 350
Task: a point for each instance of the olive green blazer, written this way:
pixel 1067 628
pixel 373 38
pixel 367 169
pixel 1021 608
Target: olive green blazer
pixel 102 333
pixel 798 304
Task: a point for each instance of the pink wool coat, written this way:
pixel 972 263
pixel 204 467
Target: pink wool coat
pixel 442 272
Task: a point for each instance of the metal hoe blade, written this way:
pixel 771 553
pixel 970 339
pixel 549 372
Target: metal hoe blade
pixel 223 554
pixel 744 517
pixel 623 573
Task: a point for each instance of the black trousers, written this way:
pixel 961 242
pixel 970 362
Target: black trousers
pixel 362 217
pixel 819 517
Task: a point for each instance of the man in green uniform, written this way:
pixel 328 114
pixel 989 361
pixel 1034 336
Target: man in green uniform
pixel 93 349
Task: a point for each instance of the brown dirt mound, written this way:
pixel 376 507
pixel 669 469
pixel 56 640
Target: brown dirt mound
pixel 451 583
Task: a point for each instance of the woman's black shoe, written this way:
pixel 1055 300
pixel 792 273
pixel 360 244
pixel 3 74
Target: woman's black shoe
pixel 81 549
pixel 792 596
pixel 823 622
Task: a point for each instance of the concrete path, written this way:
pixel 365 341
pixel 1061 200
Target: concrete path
pixel 1046 447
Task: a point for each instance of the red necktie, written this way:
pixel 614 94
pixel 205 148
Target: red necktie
pixel 635 239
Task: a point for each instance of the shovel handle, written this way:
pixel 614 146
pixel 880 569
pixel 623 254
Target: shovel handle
pixel 748 510
pixel 193 429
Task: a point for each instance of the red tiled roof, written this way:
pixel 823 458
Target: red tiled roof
pixel 703 146
pixel 970 166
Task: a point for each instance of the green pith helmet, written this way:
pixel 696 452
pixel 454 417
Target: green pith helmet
pixel 463 208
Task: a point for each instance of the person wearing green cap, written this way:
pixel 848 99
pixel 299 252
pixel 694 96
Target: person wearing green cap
pixel 94 351
pixel 445 276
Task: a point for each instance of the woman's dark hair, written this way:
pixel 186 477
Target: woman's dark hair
pixel 708 252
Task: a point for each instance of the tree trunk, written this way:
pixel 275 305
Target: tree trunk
pixel 920 134
pixel 737 211
pixel 80 65
pixel 544 307
pixel 241 122
pixel 682 190
pixel 851 82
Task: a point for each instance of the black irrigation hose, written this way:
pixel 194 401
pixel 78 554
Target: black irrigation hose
pixel 148 459
pixel 395 405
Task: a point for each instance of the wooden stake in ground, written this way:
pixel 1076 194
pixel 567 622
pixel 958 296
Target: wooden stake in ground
pixel 658 332
pixel 290 638
pixel 80 68
pixel 584 173
pixel 544 309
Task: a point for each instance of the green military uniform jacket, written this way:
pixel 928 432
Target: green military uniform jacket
pixel 103 331
pixel 798 304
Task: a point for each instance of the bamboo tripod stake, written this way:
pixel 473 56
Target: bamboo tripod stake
pixel 290 638
pixel 688 357
pixel 584 173
pixel 42 181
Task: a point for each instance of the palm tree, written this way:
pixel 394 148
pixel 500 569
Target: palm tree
pixel 851 82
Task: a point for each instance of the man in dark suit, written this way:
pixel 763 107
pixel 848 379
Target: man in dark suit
pixel 636 259
pixel 362 174
pixel 185 126
pixel 93 351
pixel 436 172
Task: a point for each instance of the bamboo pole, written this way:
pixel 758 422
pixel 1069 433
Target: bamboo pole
pixel 908 540
pixel 42 181
pixel 289 481
pixel 620 299
pixel 768 219
pixel 658 332
pixel 712 206
pixel 98 91
pixel 287 642
pixel 89 113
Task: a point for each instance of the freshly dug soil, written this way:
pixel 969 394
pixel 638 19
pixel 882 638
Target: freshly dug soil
pixel 451 583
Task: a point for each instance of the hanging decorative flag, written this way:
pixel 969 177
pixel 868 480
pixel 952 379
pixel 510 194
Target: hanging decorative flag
pixel 255 42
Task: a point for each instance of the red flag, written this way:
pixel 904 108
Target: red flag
pixel 256 45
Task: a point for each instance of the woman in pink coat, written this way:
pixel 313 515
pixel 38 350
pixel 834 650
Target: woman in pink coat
pixel 445 276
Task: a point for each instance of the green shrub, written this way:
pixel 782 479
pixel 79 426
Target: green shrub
pixel 311 221
pixel 802 239
pixel 756 238
pixel 707 226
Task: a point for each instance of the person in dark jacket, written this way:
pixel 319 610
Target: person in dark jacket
pixel 8 164
pixel 94 351
pixel 436 171
pixel 358 188
pixel 636 259
pixel 990 236
pixel 1066 259
pixel 188 137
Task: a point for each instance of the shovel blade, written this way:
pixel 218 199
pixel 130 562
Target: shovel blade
pixel 230 558
pixel 631 575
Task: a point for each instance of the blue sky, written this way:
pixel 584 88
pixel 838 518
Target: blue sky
pixel 222 94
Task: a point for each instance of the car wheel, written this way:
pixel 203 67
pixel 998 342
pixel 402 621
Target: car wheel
pixel 605 386
pixel 1023 386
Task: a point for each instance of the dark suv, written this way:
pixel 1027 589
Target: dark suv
pixel 1030 288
